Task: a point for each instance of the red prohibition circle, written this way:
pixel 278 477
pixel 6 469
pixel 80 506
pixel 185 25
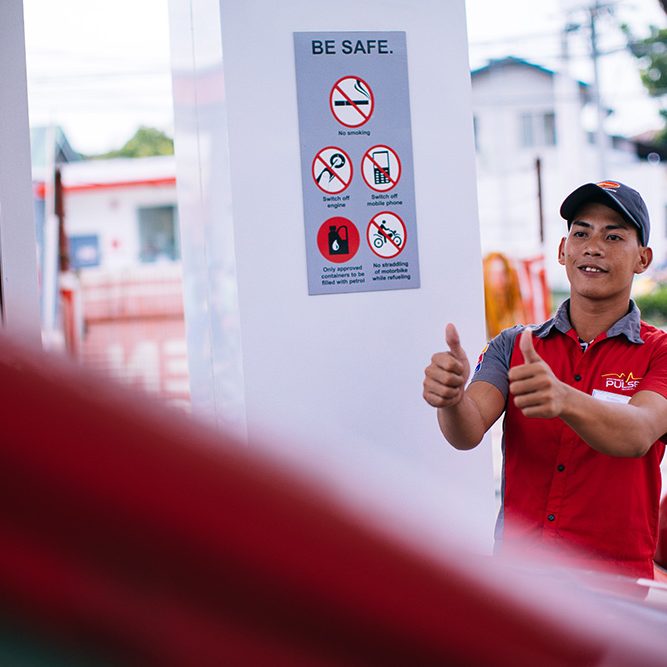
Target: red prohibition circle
pixel 367 155
pixel 335 87
pixel 372 223
pixel 338 239
pixel 322 163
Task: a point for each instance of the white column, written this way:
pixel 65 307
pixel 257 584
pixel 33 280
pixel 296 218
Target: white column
pixel 340 372
pixel 18 260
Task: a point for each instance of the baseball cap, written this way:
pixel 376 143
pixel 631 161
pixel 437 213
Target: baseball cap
pixel 622 198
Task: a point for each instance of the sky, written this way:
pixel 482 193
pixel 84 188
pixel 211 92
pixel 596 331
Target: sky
pixel 101 69
pixel 98 68
pixel 494 31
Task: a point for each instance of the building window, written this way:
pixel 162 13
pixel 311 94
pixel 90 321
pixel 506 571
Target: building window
pixel 158 233
pixel 527 139
pixel 549 121
pixel 537 129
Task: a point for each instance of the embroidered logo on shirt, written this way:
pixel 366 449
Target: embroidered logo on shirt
pixel 622 381
pixel 481 357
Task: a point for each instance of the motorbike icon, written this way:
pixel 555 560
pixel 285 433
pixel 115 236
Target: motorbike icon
pixel 381 238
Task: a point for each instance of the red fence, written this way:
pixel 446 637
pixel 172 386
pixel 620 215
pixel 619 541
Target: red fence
pixel 134 330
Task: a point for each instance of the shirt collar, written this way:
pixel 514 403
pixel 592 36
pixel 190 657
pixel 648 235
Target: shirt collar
pixel 628 326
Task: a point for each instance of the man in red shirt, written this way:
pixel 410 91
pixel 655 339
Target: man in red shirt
pixel 584 396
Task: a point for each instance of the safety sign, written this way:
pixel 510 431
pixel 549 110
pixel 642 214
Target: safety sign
pixel 338 239
pixel 351 101
pixel 381 168
pixel 386 234
pixel 357 171
pixel 332 170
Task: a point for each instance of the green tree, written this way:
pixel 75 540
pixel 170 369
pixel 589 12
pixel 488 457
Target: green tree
pixel 146 142
pixel 651 54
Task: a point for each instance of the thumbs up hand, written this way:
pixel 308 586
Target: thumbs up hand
pixel 447 374
pixel 527 347
pixel 537 391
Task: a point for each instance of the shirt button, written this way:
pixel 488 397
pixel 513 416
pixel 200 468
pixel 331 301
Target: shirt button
pixel 561 467
pixel 577 377
pixel 552 517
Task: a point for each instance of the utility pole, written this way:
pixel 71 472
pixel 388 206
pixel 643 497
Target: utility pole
pixel 540 205
pixel 594 11
pixel 600 138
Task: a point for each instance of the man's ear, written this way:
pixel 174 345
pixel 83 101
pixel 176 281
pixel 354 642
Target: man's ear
pixel 644 260
pixel 561 251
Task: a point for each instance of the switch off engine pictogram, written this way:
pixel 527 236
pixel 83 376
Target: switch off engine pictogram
pixel 332 170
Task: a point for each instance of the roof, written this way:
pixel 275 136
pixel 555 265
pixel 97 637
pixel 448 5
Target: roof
pixel 117 173
pixel 120 170
pixel 40 137
pixel 507 61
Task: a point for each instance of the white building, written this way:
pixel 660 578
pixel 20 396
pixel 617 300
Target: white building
pixel 120 306
pixel 121 213
pixel 523 112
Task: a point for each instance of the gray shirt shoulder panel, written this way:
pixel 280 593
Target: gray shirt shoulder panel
pixel 494 363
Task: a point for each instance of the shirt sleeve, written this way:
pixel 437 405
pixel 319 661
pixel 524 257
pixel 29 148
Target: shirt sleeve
pixel 655 378
pixel 493 364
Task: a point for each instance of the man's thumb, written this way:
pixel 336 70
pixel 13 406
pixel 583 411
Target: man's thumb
pixel 452 339
pixel 526 345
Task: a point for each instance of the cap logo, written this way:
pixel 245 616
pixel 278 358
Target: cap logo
pixel 608 185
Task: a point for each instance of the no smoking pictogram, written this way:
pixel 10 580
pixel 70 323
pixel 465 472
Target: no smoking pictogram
pixel 386 235
pixel 351 101
pixel 332 170
pixel 381 168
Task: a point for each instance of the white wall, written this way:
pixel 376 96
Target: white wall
pixel 112 215
pixel 507 177
pixel 342 372
pixel 507 180
pixel 499 97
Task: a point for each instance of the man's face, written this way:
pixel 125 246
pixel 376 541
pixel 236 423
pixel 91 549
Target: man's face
pixel 601 253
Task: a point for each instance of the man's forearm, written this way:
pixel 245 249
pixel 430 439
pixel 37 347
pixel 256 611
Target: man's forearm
pixel 610 428
pixel 462 425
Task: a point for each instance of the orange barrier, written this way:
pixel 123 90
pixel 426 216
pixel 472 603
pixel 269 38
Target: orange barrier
pixel 134 536
pixel 503 301
pixel 535 290
pixel 135 331
pixel 515 292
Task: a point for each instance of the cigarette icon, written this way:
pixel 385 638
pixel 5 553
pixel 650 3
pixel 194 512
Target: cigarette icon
pixel 348 103
pixel 360 88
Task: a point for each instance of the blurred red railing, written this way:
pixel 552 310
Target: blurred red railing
pixel 131 533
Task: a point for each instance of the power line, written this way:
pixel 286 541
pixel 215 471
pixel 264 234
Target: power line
pixel 513 39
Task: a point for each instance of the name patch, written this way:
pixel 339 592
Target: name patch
pixel 610 397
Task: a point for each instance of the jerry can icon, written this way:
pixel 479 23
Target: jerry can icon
pixel 338 242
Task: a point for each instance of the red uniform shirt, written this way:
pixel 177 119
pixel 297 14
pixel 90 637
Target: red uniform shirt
pixel 556 489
